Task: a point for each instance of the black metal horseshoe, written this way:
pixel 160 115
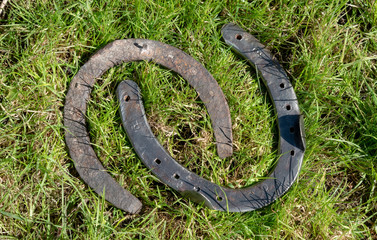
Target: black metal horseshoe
pixel 76 133
pixel 198 189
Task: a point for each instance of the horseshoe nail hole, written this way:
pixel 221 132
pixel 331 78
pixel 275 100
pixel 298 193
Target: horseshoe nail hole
pixel 292 130
pixel 219 198
pixel 238 37
pixel 197 189
pixel 158 161
pixel 292 153
pixel 138 45
pixel 282 85
pixel 127 98
pixel 288 107
pixel 176 176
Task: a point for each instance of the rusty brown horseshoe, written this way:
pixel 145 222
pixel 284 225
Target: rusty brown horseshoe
pixel 80 88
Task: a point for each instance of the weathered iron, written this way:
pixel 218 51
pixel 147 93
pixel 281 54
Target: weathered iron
pixel 198 189
pixel 154 156
pixel 77 136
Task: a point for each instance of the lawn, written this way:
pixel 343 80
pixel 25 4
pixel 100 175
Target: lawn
pixel 328 48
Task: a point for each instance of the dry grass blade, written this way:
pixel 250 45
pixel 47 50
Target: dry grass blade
pixel 2 6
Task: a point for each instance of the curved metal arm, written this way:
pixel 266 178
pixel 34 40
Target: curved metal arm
pixel 77 136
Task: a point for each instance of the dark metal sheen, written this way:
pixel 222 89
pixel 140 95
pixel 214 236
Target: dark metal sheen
pixel 291 137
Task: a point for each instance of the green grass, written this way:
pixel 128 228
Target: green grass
pixel 328 48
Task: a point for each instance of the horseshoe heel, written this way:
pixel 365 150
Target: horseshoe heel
pixel 76 134
pixel 291 137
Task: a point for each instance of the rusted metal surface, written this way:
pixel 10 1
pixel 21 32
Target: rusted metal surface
pixel 291 132
pixel 291 137
pixel 77 136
